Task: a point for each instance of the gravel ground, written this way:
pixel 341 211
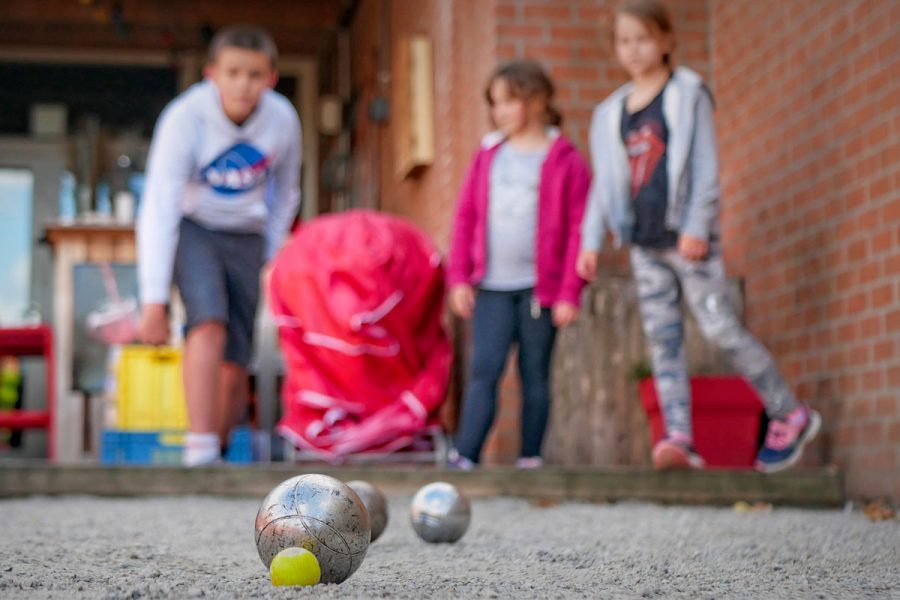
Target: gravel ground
pixel 188 547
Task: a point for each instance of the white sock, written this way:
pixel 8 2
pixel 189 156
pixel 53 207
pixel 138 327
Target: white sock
pixel 201 449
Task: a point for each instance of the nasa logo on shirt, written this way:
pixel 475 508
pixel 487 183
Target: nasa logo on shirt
pixel 239 169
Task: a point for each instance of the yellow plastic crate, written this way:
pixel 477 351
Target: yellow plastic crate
pixel 149 389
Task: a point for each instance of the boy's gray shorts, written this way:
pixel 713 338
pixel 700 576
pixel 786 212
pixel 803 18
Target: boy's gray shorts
pixel 217 274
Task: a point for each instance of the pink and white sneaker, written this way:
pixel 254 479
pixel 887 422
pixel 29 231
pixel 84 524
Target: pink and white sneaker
pixel 786 438
pixel 676 451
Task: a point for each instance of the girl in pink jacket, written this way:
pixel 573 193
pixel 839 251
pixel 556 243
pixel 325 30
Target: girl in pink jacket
pixel 512 257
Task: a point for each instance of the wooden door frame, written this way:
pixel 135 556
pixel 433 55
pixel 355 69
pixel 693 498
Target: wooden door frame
pixel 305 100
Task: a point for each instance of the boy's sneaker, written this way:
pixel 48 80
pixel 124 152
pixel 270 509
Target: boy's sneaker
pixel 530 462
pixel 201 449
pixel 458 462
pixel 786 438
pixel 676 452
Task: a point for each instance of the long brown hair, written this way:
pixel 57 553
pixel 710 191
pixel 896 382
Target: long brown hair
pixel 655 17
pixel 526 79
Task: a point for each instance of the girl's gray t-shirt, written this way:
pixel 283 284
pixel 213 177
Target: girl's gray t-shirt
pixel 512 218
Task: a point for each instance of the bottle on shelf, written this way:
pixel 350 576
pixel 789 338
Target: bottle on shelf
pixel 68 205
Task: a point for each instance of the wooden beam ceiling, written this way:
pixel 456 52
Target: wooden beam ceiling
pixel 298 26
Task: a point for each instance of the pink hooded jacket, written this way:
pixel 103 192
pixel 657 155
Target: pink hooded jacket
pixel 565 179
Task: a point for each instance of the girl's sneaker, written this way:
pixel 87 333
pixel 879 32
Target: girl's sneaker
pixel 676 452
pixel 530 462
pixel 786 438
pixel 458 462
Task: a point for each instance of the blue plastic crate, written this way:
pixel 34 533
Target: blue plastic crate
pixel 164 447
pixel 240 450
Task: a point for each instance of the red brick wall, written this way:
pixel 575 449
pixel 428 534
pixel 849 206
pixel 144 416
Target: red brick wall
pixel 808 119
pixel 570 37
pixel 573 39
pixel 462 35
pixel 808 96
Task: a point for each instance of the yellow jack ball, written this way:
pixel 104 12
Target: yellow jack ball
pixel 295 566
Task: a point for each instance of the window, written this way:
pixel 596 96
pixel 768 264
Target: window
pixel 16 205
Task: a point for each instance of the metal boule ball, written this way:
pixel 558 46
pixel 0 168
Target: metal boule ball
pixel 440 513
pixel 321 514
pixel 375 502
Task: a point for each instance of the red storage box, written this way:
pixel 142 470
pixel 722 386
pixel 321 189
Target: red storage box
pixel 726 417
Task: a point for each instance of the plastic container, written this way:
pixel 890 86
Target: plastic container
pixel 123 207
pixel 102 198
pixel 68 205
pixel 149 389
pixel 164 447
pixel 726 417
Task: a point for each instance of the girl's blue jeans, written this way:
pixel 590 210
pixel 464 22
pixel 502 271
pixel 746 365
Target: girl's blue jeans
pixel 500 320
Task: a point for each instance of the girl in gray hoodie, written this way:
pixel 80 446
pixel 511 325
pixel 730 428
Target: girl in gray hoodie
pixel 655 186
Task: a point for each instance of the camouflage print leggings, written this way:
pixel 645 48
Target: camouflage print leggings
pixel 662 276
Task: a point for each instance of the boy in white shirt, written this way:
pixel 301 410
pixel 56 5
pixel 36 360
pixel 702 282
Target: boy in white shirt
pixel 222 191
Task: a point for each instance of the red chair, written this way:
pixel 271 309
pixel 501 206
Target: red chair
pixel 32 341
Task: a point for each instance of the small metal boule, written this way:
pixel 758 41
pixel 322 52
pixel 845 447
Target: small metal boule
pixel 440 513
pixel 375 503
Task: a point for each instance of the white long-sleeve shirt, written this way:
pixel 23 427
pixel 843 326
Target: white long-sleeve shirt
pixel 224 176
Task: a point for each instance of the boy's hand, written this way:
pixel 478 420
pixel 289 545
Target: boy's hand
pixel 564 313
pixel 154 324
pixel 265 280
pixel 692 248
pixel 462 300
pixel 586 264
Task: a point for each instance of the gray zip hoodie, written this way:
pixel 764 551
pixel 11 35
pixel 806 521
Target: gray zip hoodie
pixel 691 165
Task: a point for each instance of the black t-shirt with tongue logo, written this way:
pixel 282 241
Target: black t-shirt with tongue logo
pixel 645 135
